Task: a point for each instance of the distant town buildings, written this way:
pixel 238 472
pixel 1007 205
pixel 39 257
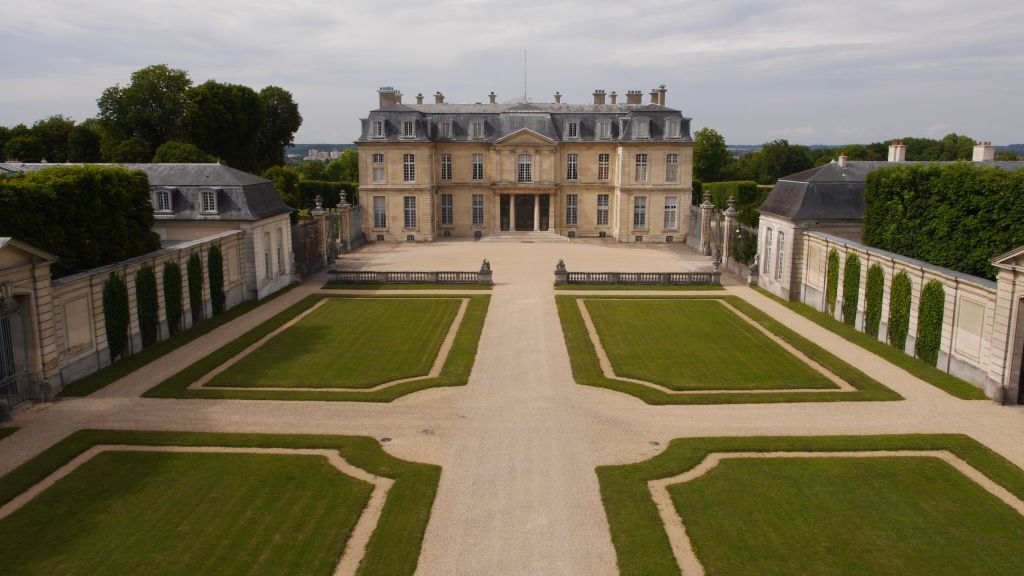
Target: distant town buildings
pixel 323 155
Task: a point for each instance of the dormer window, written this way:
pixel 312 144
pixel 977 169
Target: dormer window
pixel 572 129
pixel 163 201
pixel 408 129
pixel 477 129
pixel 208 202
pixel 672 128
pixel 377 129
pixel 445 130
pixel 604 129
pixel 641 128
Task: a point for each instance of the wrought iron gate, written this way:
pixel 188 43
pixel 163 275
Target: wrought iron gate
pixel 14 386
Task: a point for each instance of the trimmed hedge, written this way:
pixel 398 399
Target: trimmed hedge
pixel 851 288
pixel 195 286
pixel 929 321
pixel 744 249
pixel 748 195
pixel 147 305
pixel 899 310
pixel 172 296
pixel 832 281
pixel 873 300
pixel 959 215
pixel 215 264
pixel 87 216
pixel 329 191
pixel 115 315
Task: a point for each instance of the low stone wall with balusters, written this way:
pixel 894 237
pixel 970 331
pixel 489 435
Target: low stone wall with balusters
pixel 483 276
pixel 563 277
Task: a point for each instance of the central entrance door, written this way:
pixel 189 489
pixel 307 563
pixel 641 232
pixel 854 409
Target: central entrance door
pixel 524 211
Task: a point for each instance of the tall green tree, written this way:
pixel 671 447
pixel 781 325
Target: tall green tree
pixel 175 152
pixel 344 168
pixel 279 121
pixel 150 108
pixel 53 134
pixel 84 142
pixel 710 155
pixel 286 181
pixel 225 120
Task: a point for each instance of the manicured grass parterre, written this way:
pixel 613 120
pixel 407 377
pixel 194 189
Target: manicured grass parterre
pixel 125 366
pixel 383 286
pixel 587 370
pixel 349 343
pixel 182 513
pixel 455 372
pixel 694 344
pixel 658 287
pixel 930 374
pixel 820 516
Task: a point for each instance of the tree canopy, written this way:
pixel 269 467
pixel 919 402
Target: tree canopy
pixel 175 152
pixel 710 155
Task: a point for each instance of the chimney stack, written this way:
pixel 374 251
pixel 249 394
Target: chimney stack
pixel 655 95
pixel 558 98
pixel 984 152
pixel 842 160
pixel 662 91
pixel 389 96
pixel 438 98
pixel 613 96
pixel 897 151
pixel 598 96
pixel 634 96
pixel 419 98
pixel 493 97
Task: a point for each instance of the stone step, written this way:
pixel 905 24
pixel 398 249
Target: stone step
pixel 524 237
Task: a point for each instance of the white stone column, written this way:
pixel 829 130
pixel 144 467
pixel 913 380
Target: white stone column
pixel 536 212
pixel 512 212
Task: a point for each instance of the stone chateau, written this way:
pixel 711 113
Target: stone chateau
pixel 612 169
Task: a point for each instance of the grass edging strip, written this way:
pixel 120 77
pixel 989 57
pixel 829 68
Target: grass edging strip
pixel 640 542
pixel 658 287
pixel 942 380
pixel 7 431
pixel 393 549
pixel 125 366
pixel 382 286
pixel 586 368
pixel 455 372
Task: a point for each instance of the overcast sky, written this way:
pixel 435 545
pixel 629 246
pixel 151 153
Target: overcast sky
pixel 809 71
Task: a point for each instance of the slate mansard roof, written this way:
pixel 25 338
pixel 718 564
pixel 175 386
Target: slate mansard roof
pixel 240 195
pixel 831 192
pixel 501 120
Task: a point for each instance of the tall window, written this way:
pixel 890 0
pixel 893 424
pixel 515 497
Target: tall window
pixel 781 255
pixel 447 214
pixel 446 130
pixel 209 201
pixel 767 264
pixel 409 203
pixel 671 167
pixel 640 212
pixel 478 209
pixel 280 251
pixel 525 168
pixel 478 167
pixel 641 168
pixel 266 255
pixel 604 129
pixel 380 212
pixel 671 213
pixel 378 168
pixel 408 129
pixel 446 166
pixel 571 209
pixel 572 129
pixel 602 166
pixel 641 128
pixel 572 162
pixel 409 167
pixel 377 129
pixel 163 200
pixel 477 129
pixel 672 128
pixel 602 209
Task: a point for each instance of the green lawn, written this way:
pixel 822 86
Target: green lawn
pixel 7 431
pixel 587 370
pixel 833 516
pixel 455 372
pixel 407 286
pixel 695 345
pixel 848 516
pixel 942 380
pixel 658 287
pixel 154 513
pixel 349 343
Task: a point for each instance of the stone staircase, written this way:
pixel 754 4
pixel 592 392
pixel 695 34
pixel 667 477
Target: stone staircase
pixel 524 237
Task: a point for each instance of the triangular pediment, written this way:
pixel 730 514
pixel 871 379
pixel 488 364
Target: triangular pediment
pixel 14 253
pixel 525 136
pixel 1010 260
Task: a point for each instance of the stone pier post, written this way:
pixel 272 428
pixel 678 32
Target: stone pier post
pixel 344 225
pixel 705 225
pixel 731 225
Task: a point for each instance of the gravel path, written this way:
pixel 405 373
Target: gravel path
pixel 519 444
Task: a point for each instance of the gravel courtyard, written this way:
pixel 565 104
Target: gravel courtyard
pixel 519 445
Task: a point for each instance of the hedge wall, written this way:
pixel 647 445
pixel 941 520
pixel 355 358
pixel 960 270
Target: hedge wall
pixel 744 249
pixel 147 306
pixel 873 293
pixel 115 315
pixel 748 198
pixel 194 269
pixel 215 264
pixel 832 280
pixel 851 289
pixel 87 216
pixel 929 321
pixel 172 296
pixel 899 310
pixel 957 215
pixel 308 190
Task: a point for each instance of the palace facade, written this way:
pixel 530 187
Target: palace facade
pixel 615 170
